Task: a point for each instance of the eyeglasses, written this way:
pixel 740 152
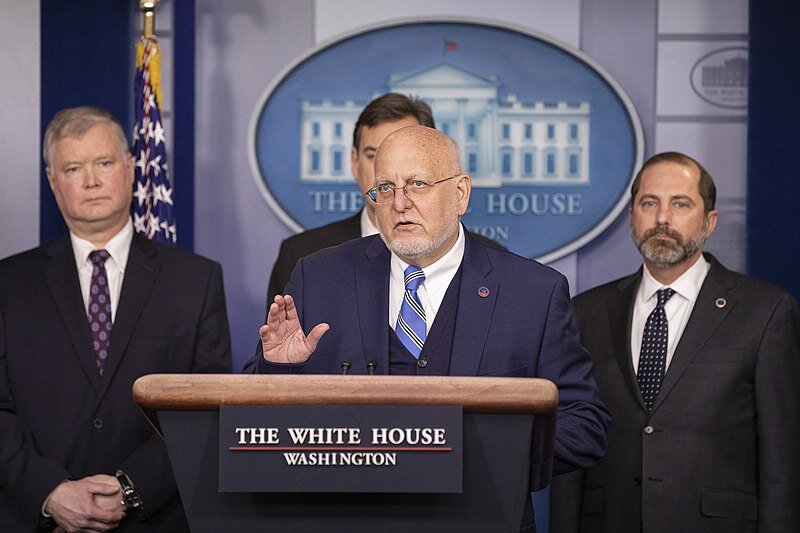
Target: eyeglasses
pixel 413 189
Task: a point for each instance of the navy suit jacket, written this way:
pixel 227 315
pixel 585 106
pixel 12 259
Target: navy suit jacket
pixel 58 418
pixel 298 246
pixel 524 328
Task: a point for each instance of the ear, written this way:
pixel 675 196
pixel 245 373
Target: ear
pixel 711 222
pixel 51 178
pixel 354 162
pixel 130 168
pixel 464 188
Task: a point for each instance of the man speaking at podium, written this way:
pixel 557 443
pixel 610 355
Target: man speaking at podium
pixel 425 298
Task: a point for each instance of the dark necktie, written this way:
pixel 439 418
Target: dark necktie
pixel 653 356
pixel 411 327
pixel 99 308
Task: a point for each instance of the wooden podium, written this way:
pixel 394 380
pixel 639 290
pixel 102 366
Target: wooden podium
pixel 507 451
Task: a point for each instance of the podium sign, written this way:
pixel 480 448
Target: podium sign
pixel 353 449
pixel 508 435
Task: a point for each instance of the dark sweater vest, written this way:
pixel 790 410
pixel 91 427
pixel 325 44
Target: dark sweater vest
pixel 434 360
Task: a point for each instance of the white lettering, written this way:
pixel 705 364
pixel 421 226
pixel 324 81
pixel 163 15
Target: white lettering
pixel 408 436
pixel 326 436
pixel 518 204
pixel 257 435
pixel 336 201
pixel 341 459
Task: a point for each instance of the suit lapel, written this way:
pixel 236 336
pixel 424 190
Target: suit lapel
pixel 706 317
pixel 474 311
pixel 372 297
pixel 620 315
pixel 140 275
pixel 61 276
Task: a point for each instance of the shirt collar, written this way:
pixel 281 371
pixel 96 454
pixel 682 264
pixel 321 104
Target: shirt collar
pixel 118 247
pixel 687 285
pixel 367 227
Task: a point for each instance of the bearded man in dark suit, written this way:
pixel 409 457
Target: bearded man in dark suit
pixel 700 369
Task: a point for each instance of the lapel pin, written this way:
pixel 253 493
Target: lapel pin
pixel 483 292
pixel 721 302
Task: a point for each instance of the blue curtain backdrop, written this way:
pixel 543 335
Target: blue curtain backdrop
pixel 85 59
pixel 773 187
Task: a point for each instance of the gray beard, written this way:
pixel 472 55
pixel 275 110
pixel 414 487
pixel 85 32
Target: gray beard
pixel 421 247
pixel 666 255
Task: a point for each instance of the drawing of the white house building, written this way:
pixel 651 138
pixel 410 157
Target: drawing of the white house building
pixel 503 142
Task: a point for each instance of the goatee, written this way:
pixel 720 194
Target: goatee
pixel 665 254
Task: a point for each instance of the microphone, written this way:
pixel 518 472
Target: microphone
pixel 372 363
pixel 347 363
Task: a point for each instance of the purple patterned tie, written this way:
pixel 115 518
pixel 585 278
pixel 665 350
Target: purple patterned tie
pixel 100 308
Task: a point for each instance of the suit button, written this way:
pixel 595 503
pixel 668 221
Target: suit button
pixel 637 481
pixel 422 363
pixel 648 429
pixel 97 423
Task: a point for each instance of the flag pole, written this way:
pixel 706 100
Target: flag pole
pixel 152 204
pixel 148 9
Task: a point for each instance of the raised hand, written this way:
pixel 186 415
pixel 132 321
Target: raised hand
pixel 282 337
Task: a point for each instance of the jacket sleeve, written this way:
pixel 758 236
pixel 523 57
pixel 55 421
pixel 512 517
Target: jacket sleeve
pixel 31 475
pixel 777 393
pixel 582 417
pixel 148 466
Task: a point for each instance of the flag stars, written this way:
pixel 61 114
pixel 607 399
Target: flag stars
pixel 159 134
pixel 152 210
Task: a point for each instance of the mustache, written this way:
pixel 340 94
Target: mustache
pixel 662 230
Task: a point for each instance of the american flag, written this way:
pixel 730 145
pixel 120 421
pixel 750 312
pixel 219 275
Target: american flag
pixel 152 193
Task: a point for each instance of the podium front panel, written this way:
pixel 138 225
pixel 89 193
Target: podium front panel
pixel 496 458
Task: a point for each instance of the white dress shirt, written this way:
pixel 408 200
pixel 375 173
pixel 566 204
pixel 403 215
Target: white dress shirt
pixel 677 309
pixel 437 279
pixel 367 227
pixel 118 248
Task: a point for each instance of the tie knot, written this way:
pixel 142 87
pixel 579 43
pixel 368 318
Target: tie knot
pixel 664 295
pixel 98 257
pixel 414 276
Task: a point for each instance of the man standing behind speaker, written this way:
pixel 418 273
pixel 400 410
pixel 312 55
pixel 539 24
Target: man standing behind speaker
pixel 81 319
pixel 700 369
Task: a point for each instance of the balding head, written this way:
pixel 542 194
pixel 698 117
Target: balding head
pixel 420 222
pixel 429 145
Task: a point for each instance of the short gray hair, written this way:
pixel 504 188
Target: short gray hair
pixel 77 121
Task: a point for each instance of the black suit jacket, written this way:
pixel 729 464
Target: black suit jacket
pixel 719 450
pixel 58 418
pixel 298 246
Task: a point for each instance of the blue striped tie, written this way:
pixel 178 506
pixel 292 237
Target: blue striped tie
pixel 410 327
